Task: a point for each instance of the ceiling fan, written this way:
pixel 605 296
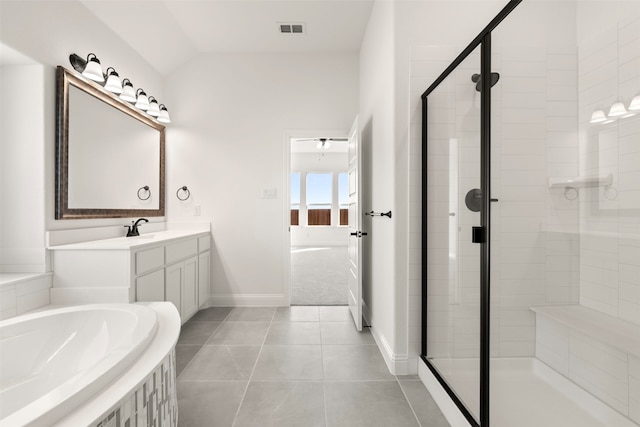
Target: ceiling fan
pixel 324 143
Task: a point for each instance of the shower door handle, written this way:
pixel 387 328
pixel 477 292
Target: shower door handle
pixel 478 235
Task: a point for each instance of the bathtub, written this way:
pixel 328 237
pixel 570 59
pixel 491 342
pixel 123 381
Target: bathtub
pixel 53 362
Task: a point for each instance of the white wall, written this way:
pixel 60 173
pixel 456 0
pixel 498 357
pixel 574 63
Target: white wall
pixel 377 122
pixel 55 30
pixel 22 180
pixel 228 141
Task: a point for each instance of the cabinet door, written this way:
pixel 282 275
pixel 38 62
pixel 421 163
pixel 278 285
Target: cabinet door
pixel 173 284
pixel 150 287
pixel 204 265
pixel 189 288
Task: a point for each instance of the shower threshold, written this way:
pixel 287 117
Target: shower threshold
pixel 526 393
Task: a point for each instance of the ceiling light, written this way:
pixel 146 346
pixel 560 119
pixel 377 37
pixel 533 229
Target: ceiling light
pixel 142 102
pixel 323 144
pixel 153 107
pixel 128 93
pixel 113 83
pixel 617 110
pixel 93 69
pixel 598 116
pixel 163 117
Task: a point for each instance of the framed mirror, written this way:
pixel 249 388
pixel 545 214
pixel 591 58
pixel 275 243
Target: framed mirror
pixel 109 155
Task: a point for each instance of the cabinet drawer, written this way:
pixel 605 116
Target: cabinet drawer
pixel 149 259
pixel 181 250
pixel 204 243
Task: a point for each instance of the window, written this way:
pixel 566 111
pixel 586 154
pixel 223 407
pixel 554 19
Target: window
pixel 295 198
pixel 343 197
pixel 319 192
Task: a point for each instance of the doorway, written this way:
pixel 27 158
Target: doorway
pixel 319 235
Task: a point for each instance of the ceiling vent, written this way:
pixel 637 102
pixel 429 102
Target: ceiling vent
pixel 290 28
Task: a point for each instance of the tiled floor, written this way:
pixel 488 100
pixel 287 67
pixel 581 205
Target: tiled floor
pixel 298 366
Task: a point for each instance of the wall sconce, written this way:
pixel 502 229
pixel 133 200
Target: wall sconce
pixel 617 110
pixel 142 102
pixel 635 104
pixel 113 83
pixel 163 117
pixel 91 69
pixel 153 107
pixel 128 92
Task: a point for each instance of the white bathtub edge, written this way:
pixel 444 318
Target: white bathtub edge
pixel 167 334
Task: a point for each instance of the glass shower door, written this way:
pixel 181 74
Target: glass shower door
pixel 453 207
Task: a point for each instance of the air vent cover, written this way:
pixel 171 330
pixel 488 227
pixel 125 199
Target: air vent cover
pixel 290 28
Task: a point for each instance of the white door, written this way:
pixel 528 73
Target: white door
pixel 355 233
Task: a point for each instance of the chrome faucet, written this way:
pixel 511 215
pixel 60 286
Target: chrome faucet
pixel 132 230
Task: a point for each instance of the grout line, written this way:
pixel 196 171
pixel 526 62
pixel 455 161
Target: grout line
pixel 244 394
pixel 408 401
pixel 199 349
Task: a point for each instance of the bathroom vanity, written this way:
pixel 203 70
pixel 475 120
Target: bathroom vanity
pixel 161 266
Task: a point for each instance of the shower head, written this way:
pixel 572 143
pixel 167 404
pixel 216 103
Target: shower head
pixel 477 78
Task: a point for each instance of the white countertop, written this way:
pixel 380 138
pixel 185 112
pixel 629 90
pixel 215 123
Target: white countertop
pixel 127 243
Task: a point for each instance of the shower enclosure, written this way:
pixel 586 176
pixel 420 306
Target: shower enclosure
pixel 531 218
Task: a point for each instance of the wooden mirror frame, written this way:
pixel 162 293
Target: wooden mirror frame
pixel 64 78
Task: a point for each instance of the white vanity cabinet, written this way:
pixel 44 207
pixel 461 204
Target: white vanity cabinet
pixel 167 266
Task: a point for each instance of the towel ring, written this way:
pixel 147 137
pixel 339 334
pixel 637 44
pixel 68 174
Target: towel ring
pixel 186 191
pixel 145 188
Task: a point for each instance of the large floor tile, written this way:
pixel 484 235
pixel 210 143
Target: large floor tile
pixel 289 362
pixel 239 333
pixel 344 333
pixel 297 314
pixel 211 314
pixel 222 363
pixel 251 314
pixel 208 403
pixel 367 404
pixel 184 354
pixel 282 404
pixel 294 333
pixel 335 313
pixel 354 362
pixel 423 404
pixel 197 333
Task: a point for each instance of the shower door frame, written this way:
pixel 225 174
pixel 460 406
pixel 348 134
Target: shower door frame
pixel 484 41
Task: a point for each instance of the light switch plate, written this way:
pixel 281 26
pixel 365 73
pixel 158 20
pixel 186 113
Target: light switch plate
pixel 269 193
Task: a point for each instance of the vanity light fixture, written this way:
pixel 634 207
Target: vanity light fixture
pixel 142 102
pixel 635 104
pixel 163 117
pixel 153 107
pixel 91 69
pixel 128 92
pixel 113 83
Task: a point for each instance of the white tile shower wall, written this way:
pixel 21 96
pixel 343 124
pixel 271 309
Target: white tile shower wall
pixel 535 251
pixel 609 65
pixel 608 373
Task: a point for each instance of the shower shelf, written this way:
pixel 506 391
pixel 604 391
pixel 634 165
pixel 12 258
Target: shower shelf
pixel 581 182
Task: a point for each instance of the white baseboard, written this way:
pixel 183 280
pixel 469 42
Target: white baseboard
pixel 440 396
pixel 398 364
pixel 248 300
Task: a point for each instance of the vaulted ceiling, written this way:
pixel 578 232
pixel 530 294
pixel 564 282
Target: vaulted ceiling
pixel 167 33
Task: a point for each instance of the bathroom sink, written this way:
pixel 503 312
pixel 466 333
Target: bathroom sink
pixel 143 237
